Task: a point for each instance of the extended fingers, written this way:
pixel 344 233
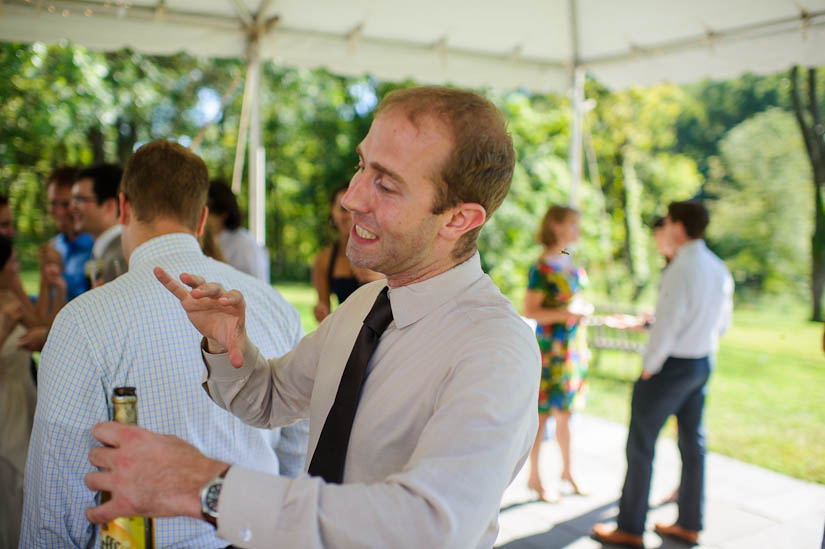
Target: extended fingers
pixel 193 281
pixel 208 289
pixel 171 284
pixel 232 297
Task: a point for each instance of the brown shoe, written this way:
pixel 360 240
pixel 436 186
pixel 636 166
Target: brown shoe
pixel 608 534
pixel 690 537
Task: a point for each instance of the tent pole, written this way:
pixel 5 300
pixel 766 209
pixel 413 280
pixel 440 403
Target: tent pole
pixel 256 164
pixel 243 130
pixel 576 138
pixel 575 155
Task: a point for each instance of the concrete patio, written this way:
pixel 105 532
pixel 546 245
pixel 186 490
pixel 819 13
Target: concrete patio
pixel 746 506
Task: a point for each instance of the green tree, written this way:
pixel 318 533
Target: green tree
pixel 762 217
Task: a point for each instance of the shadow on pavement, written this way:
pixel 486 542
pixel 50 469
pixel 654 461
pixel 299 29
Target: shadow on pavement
pixel 568 532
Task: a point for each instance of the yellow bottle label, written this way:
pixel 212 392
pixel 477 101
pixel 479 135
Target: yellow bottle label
pixel 124 533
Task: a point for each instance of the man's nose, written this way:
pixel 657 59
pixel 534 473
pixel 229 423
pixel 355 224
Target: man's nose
pixel 354 199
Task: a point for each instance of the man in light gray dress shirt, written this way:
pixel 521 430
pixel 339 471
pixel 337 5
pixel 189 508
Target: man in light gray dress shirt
pixel 447 409
pixel 693 309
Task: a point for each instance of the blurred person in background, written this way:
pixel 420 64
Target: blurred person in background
pixel 17 396
pixel 74 247
pixel 95 210
pixel 238 246
pixel 332 272
pixel 694 307
pixel 36 315
pixel 553 286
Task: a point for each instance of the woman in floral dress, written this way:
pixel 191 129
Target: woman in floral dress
pixel 553 283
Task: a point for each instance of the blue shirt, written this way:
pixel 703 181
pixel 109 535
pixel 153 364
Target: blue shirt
pixel 133 331
pixel 75 254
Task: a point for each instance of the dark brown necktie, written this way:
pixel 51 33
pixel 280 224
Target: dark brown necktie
pixel 331 451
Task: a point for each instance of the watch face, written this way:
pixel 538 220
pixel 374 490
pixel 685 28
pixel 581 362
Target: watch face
pixel 211 499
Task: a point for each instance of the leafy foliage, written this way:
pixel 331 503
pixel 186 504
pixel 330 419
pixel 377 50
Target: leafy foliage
pixel 648 146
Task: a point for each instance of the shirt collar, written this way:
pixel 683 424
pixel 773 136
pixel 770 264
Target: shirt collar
pixel 415 301
pixel 690 247
pixel 147 254
pixel 105 238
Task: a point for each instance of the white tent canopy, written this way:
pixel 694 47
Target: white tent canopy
pixel 533 44
pixel 519 43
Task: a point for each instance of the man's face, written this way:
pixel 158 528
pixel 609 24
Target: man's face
pixel 662 242
pixel 87 214
pixel 6 221
pixel 390 197
pixel 675 234
pixel 60 200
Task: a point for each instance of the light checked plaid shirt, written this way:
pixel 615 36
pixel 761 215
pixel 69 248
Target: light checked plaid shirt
pixel 132 331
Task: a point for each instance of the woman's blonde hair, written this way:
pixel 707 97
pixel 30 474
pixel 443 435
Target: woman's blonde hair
pixel 555 215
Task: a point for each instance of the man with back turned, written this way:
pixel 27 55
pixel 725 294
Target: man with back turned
pixel 131 332
pixel 693 309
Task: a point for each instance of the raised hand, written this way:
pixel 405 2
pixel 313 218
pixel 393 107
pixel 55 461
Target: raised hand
pixel 216 313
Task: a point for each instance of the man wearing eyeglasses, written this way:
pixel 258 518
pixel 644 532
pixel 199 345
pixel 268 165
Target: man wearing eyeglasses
pixel 74 247
pixel 94 208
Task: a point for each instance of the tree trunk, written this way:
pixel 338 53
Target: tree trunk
pixel 126 139
pixel 811 127
pixel 95 137
pixel 818 256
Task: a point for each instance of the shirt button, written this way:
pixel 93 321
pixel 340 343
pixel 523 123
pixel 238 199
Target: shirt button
pixel 246 535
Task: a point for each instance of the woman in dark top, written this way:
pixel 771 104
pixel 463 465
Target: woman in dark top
pixel 332 272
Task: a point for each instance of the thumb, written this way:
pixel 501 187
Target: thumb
pixel 237 347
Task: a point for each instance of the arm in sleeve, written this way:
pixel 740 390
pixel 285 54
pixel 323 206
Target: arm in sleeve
pixel 478 436
pixel 292 448
pixel 671 311
pixel 71 399
pixel 266 393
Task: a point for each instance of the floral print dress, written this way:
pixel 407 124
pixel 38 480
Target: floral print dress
pixel 563 347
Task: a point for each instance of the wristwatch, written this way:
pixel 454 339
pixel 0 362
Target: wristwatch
pixel 210 492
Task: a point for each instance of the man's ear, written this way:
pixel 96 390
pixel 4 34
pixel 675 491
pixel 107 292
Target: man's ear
pixel 202 223
pixel 125 209
pixel 465 217
pixel 110 206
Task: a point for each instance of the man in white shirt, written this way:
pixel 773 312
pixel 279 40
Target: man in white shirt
pixel 131 332
pixel 94 207
pixel 693 309
pixel 447 409
pixel 239 248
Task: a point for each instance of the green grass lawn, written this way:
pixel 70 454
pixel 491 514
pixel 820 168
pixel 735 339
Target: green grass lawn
pixel 765 403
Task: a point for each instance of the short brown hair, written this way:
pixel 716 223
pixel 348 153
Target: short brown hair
pixel 480 166
pixel 692 214
pixel 164 179
pixel 555 215
pixel 62 176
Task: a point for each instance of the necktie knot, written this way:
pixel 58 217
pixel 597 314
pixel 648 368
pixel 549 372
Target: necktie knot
pixel 380 315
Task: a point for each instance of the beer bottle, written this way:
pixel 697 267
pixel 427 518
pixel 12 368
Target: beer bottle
pixel 126 532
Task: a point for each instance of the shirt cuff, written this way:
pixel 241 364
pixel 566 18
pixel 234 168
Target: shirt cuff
pixel 249 507
pixel 218 367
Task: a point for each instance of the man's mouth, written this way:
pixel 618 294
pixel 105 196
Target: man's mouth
pixel 363 233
